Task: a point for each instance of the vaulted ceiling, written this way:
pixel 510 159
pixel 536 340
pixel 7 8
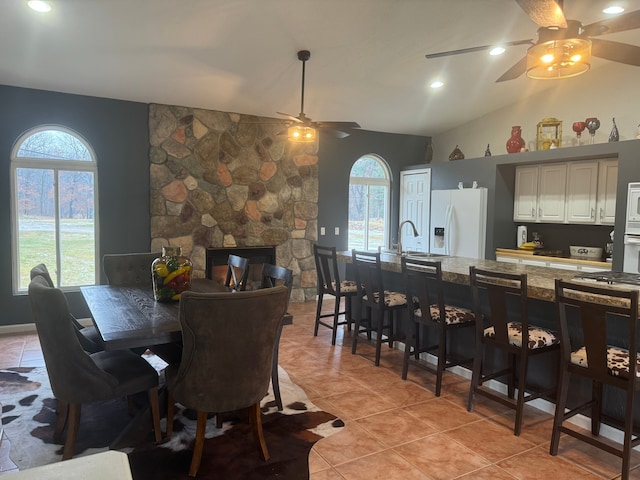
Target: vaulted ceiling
pixel 367 56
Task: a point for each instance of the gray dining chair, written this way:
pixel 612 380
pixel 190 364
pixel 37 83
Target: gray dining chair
pixel 89 337
pixel 78 377
pixel 128 269
pixel 228 340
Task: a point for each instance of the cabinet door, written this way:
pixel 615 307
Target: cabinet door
pixel 525 205
pixel 582 184
pixel 552 193
pixel 607 186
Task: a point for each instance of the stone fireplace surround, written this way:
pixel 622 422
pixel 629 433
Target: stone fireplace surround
pixel 229 180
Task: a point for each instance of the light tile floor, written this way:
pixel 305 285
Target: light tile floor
pixel 399 429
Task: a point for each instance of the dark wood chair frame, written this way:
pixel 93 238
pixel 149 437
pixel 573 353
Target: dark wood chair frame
pixel 368 273
pixel 595 307
pixel 237 273
pixel 272 276
pixel 329 284
pixel 499 287
pixel 423 285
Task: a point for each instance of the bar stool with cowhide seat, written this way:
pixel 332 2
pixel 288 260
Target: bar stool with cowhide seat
pixel 598 328
pixel 423 285
pixel 506 328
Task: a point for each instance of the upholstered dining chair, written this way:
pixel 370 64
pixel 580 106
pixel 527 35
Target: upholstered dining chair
pixel 216 373
pixel 78 377
pixel 329 283
pixel 381 304
pixel 272 276
pixel 599 329
pixel 128 269
pixel 506 328
pixel 423 284
pixel 89 337
pixel 237 273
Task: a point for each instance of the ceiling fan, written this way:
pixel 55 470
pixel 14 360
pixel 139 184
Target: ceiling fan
pixel 564 47
pixel 303 125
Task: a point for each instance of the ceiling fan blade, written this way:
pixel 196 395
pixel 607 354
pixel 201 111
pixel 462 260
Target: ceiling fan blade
pixel 336 125
pixel 336 133
pixel 478 49
pixel 621 23
pixel 290 117
pixel 616 51
pixel 546 13
pixel 515 71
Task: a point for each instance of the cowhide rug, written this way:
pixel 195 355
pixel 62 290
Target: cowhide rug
pixel 28 416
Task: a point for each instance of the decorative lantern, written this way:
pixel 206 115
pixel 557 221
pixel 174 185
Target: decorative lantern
pixel 549 132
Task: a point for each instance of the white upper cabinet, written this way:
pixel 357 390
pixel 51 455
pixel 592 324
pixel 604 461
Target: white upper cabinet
pixel 525 207
pixel 582 188
pixel 607 187
pixel 552 193
pixel 569 192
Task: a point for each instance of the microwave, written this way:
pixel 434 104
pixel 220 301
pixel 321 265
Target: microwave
pixel 633 209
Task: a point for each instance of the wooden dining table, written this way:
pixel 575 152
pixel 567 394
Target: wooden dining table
pixel 129 317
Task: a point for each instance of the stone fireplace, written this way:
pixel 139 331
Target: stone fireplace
pixel 224 180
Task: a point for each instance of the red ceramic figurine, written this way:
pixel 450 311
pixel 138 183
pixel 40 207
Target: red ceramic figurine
pixel 515 142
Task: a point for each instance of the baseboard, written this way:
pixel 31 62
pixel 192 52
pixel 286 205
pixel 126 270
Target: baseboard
pixel 31 327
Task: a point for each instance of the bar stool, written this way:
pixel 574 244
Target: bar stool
pixel 423 284
pixel 591 318
pixel 329 284
pixel 381 304
pixel 508 331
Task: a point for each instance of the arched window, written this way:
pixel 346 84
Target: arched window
pixel 369 186
pixel 54 207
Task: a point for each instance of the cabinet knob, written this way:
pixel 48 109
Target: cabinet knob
pixel 601 214
pixel 593 213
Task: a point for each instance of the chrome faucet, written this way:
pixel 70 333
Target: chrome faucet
pixel 415 234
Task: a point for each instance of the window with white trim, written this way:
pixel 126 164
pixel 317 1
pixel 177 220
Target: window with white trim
pixel 369 199
pixel 54 207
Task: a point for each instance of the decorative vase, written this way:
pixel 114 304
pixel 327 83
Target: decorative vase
pixel 614 136
pixel 456 154
pixel 171 274
pixel 515 142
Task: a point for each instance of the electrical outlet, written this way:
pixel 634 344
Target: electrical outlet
pixel 321 230
pixel 337 231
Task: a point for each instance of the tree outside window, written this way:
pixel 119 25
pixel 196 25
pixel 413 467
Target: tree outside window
pixel 369 185
pixel 53 174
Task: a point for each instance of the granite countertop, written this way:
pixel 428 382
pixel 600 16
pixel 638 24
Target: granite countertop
pixel 540 280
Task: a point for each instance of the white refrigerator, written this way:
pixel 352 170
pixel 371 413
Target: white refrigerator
pixel 458 222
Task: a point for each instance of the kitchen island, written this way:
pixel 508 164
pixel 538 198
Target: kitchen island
pixel 542 312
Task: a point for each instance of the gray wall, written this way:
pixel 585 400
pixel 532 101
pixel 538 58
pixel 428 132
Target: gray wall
pixel 118 133
pixel 335 159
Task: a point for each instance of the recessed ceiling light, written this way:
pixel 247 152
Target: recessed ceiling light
pixel 497 51
pixel 39 6
pixel 436 84
pixel 613 9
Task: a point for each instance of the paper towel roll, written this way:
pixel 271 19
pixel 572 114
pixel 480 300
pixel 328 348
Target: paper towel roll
pixel 522 235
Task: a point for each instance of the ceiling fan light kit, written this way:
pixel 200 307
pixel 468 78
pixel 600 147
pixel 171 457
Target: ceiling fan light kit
pixel 559 58
pixel 301 134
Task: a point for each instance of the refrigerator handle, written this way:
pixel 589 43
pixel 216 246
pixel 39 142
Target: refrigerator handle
pixel 450 238
pixel 447 229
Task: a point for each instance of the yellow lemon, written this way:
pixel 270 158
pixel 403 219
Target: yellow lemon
pixel 161 270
